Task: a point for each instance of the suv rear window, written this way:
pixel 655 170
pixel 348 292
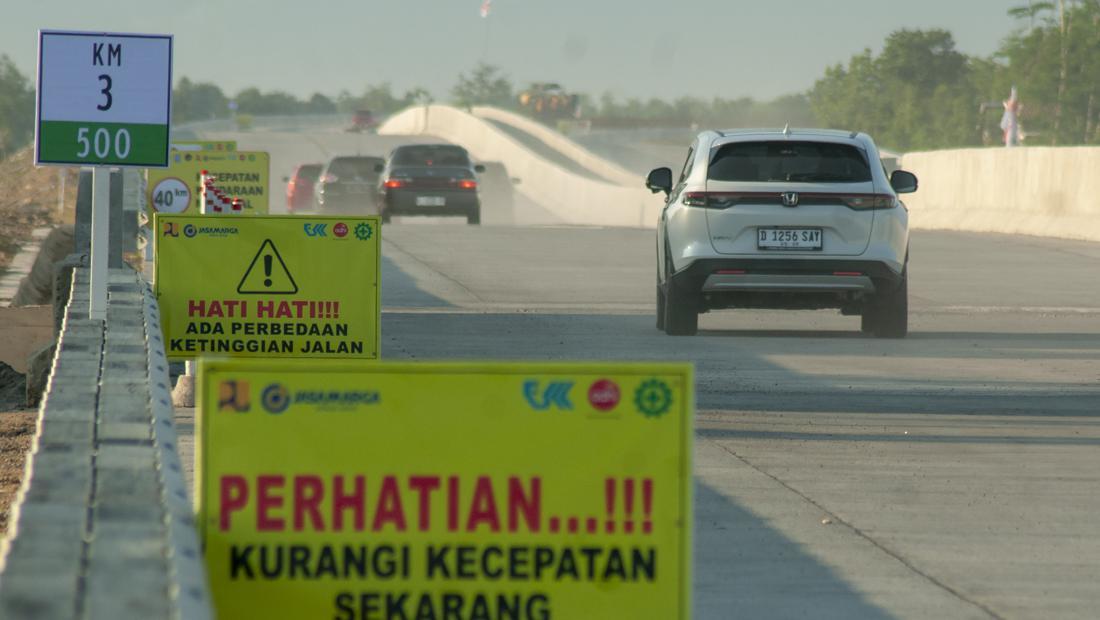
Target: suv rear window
pixel 309 172
pixel 361 167
pixel 806 162
pixel 430 156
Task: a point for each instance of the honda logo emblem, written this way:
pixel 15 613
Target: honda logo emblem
pixel 790 199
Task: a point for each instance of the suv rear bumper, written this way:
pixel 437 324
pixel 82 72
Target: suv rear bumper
pixel 785 283
pixel 788 283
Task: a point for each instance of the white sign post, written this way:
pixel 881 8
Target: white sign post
pixel 104 100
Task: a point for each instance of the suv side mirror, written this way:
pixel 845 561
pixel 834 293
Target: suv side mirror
pixel 379 167
pixel 478 168
pixel 659 180
pixel 903 182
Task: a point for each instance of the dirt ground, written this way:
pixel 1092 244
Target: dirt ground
pixel 16 432
pixel 28 200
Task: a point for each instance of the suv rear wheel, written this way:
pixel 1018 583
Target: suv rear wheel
pixel 888 315
pixel 660 308
pixel 681 308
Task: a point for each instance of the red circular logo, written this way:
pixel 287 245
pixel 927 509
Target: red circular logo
pixel 604 395
pixel 340 229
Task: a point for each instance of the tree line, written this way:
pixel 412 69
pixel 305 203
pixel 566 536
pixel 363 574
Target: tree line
pixel 919 92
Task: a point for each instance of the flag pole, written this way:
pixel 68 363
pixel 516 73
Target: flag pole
pixel 486 5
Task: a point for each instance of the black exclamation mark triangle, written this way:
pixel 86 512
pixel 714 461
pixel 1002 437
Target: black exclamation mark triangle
pixel 267 274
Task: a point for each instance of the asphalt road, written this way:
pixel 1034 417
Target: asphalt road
pixel 951 474
pixel 957 469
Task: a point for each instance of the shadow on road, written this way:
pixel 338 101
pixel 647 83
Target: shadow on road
pixel 743 568
pixel 399 289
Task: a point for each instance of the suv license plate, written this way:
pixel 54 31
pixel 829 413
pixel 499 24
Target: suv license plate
pixel 788 238
pixel 430 201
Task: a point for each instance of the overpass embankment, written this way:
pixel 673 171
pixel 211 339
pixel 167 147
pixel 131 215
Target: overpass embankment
pixel 573 198
pixel 1044 191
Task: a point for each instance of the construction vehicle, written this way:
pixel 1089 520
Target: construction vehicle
pixel 547 101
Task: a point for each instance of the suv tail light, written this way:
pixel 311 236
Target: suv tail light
pixel 394 183
pixel 864 202
pixel 329 178
pixel 467 184
pixel 696 199
pixel 725 200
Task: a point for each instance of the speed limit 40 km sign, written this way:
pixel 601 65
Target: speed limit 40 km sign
pixel 104 99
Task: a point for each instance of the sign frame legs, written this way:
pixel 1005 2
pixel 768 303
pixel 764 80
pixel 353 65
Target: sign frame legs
pixel 100 246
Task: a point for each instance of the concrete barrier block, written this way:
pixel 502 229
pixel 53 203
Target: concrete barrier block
pixel 77 429
pixel 124 456
pixel 51 549
pixel 125 431
pixel 105 427
pixel 55 487
pixel 38 595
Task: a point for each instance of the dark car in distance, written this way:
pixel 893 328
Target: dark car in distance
pixel 429 179
pixel 347 185
pixel 299 186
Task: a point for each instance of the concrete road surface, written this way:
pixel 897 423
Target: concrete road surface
pixel 954 474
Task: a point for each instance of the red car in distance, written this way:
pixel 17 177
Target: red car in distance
pixel 299 186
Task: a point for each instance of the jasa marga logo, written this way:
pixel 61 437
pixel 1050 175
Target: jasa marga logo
pixel 275 398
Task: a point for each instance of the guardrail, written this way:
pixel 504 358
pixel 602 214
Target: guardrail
pixel 1045 191
pixel 102 526
pixel 609 170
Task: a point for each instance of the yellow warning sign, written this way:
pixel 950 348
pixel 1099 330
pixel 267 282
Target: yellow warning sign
pixel 204 145
pixel 267 274
pixel 268 286
pixel 240 174
pixel 342 489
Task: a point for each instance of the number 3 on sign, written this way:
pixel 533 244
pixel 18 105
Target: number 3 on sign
pixel 101 142
pixel 103 107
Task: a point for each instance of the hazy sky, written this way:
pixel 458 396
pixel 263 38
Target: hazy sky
pixel 729 48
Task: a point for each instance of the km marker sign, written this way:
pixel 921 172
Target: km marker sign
pixel 104 99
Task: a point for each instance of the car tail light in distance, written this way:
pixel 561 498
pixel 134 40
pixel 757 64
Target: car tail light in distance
pixel 394 183
pixel 725 200
pixel 467 184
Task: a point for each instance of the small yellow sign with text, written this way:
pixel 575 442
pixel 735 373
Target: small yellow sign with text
pixel 268 286
pixel 240 174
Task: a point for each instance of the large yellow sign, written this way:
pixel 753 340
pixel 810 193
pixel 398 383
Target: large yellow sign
pixel 240 174
pixel 268 286
pixel 355 490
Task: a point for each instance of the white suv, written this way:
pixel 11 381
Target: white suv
pixel 790 219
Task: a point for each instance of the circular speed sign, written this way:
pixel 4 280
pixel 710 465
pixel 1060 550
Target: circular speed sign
pixel 171 195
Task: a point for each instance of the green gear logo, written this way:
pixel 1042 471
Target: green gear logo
pixel 363 231
pixel 653 398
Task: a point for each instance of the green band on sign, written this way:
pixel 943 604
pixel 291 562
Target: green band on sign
pixel 129 144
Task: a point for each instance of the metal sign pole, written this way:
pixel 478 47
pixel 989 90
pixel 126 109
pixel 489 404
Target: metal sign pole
pixel 62 173
pixel 101 218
